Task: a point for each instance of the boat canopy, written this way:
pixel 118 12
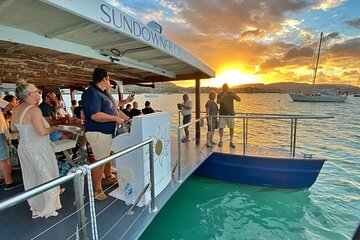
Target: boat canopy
pixel 56 43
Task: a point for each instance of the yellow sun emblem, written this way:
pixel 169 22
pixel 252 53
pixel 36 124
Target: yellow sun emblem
pixel 161 142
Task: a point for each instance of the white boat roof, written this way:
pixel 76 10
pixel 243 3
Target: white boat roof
pixel 58 42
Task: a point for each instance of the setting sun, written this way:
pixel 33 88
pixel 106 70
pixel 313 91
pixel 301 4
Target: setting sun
pixel 232 77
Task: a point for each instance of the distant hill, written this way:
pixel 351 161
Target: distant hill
pixel 287 87
pixel 280 87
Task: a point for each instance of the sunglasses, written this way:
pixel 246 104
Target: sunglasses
pixel 37 91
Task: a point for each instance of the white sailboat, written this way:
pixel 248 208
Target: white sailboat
pixel 318 96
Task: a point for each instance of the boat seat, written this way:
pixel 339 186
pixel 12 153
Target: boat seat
pixel 64 144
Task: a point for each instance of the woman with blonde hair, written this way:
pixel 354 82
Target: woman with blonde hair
pixel 37 158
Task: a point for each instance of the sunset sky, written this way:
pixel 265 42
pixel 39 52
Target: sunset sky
pixel 260 41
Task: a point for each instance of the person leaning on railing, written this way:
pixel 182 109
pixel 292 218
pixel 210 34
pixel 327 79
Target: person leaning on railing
pixel 101 117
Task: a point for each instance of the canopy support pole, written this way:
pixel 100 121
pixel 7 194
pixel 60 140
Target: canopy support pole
pixel 197 109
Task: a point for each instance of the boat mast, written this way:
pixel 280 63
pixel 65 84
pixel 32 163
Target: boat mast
pixel 317 60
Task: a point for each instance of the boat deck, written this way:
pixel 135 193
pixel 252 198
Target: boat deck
pixel 111 219
pixel 253 151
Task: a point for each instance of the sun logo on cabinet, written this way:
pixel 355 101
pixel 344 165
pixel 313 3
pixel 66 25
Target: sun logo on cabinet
pixel 161 142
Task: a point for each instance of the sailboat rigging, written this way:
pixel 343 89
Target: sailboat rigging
pixel 357 94
pixel 314 96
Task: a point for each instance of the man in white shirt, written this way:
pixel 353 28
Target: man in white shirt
pixel 5 164
pixel 186 109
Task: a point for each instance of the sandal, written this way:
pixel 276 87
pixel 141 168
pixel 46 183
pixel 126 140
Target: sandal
pixel 111 180
pixel 99 195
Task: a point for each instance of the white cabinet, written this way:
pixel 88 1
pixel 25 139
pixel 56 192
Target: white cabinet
pixel 134 167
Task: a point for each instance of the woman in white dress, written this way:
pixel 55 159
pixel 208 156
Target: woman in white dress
pixel 37 158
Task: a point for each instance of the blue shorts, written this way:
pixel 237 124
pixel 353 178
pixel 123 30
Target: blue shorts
pixel 187 119
pixel 4 149
pixel 55 136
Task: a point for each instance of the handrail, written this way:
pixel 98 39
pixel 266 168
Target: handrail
pixel 178 165
pixel 23 196
pixel 293 129
pixel 78 171
pixel 277 116
pixel 246 116
pixel 253 115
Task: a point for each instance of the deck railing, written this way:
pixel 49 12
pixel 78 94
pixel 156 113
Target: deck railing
pixel 246 116
pixel 77 175
pixel 178 164
pixel 293 127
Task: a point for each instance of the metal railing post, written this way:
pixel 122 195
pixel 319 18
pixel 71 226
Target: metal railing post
pixel 294 142
pixel 179 156
pixel 79 200
pixel 291 134
pixel 153 209
pixel 244 137
pixel 247 130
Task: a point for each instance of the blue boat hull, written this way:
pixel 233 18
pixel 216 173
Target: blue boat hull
pixel 287 173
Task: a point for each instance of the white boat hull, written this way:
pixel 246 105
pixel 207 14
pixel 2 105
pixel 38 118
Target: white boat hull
pixel 300 97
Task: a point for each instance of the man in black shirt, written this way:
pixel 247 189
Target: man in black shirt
pixel 147 108
pixel 47 110
pixel 226 100
pixel 127 110
pixel 135 111
pixel 78 109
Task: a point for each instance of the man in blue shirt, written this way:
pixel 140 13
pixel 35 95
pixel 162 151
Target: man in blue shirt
pixel 101 117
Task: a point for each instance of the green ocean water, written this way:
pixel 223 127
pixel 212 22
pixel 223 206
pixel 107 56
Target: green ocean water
pixel 209 209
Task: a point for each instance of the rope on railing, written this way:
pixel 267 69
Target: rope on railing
pixel 86 169
pixel 91 202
